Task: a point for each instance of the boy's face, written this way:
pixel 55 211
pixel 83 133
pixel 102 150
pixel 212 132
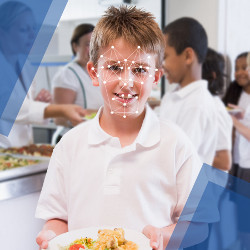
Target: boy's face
pixel 126 75
pixel 174 65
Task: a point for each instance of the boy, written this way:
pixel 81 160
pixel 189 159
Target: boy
pixel 123 168
pixel 190 105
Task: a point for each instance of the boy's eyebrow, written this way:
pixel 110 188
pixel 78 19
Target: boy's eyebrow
pixel 136 63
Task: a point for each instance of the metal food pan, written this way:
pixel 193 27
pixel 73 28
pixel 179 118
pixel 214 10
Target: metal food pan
pixel 18 172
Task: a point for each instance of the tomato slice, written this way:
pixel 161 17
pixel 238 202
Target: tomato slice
pixel 76 247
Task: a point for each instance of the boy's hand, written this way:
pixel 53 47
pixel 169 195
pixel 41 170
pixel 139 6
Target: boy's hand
pixel 44 237
pixel 159 237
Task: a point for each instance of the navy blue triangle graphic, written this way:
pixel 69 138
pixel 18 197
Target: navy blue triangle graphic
pixel 216 215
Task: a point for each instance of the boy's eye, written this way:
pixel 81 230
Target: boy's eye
pixel 139 70
pixel 114 67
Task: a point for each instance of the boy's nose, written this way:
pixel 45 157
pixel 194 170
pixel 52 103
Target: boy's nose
pixel 126 79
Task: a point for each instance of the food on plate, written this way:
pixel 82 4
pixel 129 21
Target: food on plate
pixel 9 162
pixel 33 150
pixel 107 240
pixel 234 111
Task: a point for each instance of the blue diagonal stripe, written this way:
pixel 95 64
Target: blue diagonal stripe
pixel 47 14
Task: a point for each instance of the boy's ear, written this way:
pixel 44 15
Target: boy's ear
pixel 93 73
pixel 189 55
pixel 158 75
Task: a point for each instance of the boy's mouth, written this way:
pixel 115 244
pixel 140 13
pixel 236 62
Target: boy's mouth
pixel 126 97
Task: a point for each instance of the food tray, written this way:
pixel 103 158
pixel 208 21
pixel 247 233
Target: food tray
pixel 18 172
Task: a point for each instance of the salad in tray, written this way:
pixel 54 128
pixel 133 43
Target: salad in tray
pixel 9 162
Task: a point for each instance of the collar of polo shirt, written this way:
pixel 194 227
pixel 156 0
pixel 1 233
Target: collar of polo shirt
pixel 148 136
pixel 182 92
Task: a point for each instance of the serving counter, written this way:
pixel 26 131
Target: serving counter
pixel 19 192
pixel 24 180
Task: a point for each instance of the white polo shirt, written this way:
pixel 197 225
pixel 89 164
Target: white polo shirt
pixel 193 109
pixel 225 126
pixel 93 181
pixel 71 77
pixel 241 144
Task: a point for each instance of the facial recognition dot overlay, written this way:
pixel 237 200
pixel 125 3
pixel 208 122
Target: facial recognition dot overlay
pixel 124 73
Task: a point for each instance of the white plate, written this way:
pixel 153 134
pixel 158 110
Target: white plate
pixel 92 232
pixel 234 111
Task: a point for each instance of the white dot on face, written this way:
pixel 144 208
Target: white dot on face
pixel 125 84
pixel 109 66
pixel 122 95
pixel 136 97
pixel 142 82
pixel 124 104
pixel 130 79
pixel 112 112
pixel 121 67
pixel 92 68
pixel 104 82
pixel 119 61
pixel 147 67
pixel 113 99
pixel 102 67
pixel 112 47
pixel 128 67
pixel 140 66
pixel 125 60
pixel 139 47
pixel 156 69
pixel 119 78
pixel 124 116
pixel 136 111
pixel 150 75
pixel 148 57
pixel 97 75
pixel 129 96
pixel 133 61
pixel 101 55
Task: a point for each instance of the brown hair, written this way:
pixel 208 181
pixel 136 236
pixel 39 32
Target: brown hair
pixel 136 26
pixel 79 31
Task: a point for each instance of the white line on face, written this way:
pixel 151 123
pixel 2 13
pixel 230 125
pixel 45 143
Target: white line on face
pixel 125 79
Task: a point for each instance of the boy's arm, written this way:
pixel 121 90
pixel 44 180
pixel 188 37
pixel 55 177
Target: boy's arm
pixel 50 230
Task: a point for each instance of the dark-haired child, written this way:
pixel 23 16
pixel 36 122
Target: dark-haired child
pixel 238 94
pixel 213 72
pixel 190 105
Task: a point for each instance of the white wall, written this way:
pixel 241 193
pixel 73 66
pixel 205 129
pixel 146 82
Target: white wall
pixel 237 37
pixel 79 11
pixel 205 11
pixel 226 22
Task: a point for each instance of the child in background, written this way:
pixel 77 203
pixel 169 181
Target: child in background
pixel 213 72
pixel 238 96
pixel 190 105
pixel 125 168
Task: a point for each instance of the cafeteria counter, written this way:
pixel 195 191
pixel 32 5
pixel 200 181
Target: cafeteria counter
pixel 19 192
